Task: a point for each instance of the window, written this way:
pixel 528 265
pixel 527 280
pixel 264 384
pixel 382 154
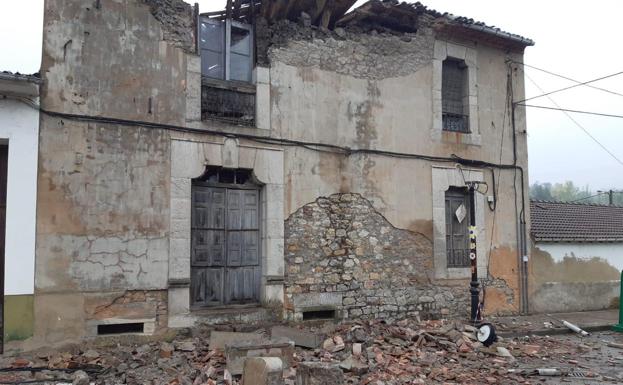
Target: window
pixel 457 224
pixel 454 97
pixel 227 62
pixel 226 50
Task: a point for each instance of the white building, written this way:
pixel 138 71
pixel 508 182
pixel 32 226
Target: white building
pixel 19 138
pixel 578 256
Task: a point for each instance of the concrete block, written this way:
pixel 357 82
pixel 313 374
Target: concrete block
pixel 262 75
pixel 456 51
pixel 313 301
pixel 263 371
pixel 194 63
pixel 262 106
pixel 319 373
pixel 237 352
pixel 440 51
pixel 218 340
pixel 300 337
pixel 230 153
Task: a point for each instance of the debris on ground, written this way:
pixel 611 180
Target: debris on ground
pixel 367 352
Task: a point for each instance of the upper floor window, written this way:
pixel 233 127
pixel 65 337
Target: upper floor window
pixel 227 62
pixel 454 95
pixel 226 49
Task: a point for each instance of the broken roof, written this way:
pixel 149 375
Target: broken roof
pixel 392 14
pixel 575 222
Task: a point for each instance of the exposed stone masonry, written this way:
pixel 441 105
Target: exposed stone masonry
pixel 342 253
pixel 373 54
pixel 176 17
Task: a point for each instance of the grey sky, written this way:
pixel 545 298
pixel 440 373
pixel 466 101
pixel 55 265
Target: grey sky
pixel 572 39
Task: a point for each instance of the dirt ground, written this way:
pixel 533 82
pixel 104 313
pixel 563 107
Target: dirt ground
pixel 378 352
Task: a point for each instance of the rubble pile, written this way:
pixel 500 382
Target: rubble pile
pixel 375 352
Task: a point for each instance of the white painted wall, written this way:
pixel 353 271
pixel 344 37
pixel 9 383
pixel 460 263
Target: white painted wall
pixel 19 125
pixel 612 252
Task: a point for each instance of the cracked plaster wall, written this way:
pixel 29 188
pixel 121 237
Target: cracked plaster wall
pixel 344 89
pixel 104 189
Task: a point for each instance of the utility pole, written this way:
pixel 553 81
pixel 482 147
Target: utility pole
pixel 610 201
pixel 610 196
pixel 474 284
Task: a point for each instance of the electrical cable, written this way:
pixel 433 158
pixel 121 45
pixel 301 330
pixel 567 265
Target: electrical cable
pixel 314 146
pixel 577 123
pixel 581 199
pixel 570 87
pixel 569 110
pixel 565 77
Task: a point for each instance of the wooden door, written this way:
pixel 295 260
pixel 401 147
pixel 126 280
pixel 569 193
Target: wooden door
pixel 225 257
pixel 457 239
pixel 4 159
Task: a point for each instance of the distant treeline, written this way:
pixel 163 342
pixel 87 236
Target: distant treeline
pixel 568 192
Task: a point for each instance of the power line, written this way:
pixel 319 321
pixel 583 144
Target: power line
pixel 570 87
pixel 576 122
pixel 569 110
pixel 581 199
pixel 313 146
pixel 566 78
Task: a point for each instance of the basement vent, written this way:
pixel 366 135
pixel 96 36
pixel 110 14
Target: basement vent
pixel 122 328
pixel 318 315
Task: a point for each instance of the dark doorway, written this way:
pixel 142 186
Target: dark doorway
pixel 4 161
pixel 225 239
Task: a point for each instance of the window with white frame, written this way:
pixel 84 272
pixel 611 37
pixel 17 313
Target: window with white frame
pixel 227 62
pixel 226 50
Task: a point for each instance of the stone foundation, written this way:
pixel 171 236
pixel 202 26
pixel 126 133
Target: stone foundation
pixel 342 255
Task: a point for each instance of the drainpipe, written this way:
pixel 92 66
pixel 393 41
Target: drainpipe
pixel 521 221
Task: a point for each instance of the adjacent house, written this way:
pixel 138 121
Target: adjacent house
pixel 578 256
pixel 276 160
pixel 19 136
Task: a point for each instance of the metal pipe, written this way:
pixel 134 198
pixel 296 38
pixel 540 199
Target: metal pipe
pixel 473 285
pixel 619 326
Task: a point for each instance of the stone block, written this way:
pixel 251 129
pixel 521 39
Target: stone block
pixel 237 352
pixel 263 371
pixel 319 373
pixel 218 340
pixel 317 300
pixel 300 337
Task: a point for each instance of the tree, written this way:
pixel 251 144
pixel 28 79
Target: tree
pixel 568 192
pixel 541 192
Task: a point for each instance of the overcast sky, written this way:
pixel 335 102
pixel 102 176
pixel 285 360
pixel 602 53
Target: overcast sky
pixel 573 38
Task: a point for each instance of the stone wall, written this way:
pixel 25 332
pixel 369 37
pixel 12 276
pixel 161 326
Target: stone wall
pixel 177 19
pixel 343 255
pixel 351 51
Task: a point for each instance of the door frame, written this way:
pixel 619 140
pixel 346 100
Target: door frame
pixel 252 184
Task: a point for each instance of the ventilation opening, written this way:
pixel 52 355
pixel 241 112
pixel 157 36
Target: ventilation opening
pixel 125 328
pixel 318 314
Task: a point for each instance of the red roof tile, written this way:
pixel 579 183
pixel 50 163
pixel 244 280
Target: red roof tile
pixel 575 222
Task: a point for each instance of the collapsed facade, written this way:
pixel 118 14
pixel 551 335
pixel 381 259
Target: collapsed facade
pixel 273 161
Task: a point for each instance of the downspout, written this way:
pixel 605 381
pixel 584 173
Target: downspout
pixel 521 220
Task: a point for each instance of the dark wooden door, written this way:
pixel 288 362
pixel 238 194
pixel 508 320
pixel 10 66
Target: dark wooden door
pixel 225 253
pixel 4 160
pixel 457 240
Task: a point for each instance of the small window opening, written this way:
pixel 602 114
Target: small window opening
pixel 454 96
pixel 318 315
pixel 217 174
pixel 121 328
